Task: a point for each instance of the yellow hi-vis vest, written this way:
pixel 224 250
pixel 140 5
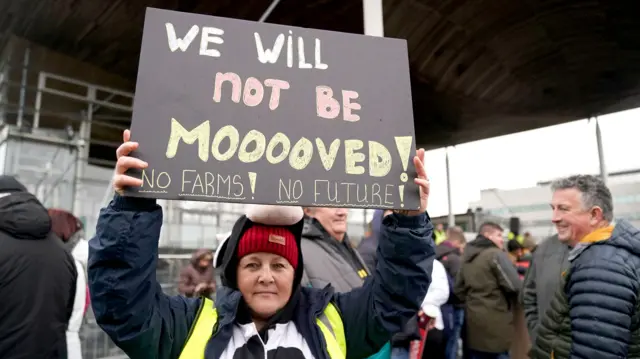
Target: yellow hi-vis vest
pixel 440 237
pixel 329 322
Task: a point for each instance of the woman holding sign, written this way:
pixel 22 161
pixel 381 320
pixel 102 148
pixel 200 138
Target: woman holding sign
pixel 261 312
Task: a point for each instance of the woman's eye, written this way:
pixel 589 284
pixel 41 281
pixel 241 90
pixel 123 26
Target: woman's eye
pixel 253 265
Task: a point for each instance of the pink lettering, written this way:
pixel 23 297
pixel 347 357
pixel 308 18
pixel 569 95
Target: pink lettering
pixel 276 86
pixel 253 92
pixel 348 106
pixel 236 86
pixel 326 105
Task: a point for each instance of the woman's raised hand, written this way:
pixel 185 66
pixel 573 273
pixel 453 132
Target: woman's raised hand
pixel 126 162
pixel 422 180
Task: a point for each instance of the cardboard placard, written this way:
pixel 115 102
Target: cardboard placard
pixel 238 111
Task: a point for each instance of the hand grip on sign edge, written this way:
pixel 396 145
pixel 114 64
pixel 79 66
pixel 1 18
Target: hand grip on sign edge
pixel 125 163
pixel 422 180
pixel 273 215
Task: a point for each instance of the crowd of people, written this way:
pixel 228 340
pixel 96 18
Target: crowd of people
pixel 288 282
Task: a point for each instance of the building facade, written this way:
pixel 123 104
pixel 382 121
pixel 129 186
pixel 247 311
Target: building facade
pixel 532 205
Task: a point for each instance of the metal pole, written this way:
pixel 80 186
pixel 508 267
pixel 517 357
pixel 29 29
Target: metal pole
pixel 74 184
pixel 452 217
pixel 269 10
pixel 42 81
pixel 373 18
pixel 108 194
pixel 603 168
pixel 23 86
pixel 85 138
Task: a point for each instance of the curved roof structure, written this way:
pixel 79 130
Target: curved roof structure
pixel 480 68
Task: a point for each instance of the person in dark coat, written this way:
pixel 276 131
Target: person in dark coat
pixel 368 246
pixel 262 310
pixel 37 278
pixel 516 253
pixel 488 285
pixel 197 278
pixel 449 253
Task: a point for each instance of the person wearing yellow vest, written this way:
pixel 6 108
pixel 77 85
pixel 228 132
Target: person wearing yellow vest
pixel 440 234
pixel 261 311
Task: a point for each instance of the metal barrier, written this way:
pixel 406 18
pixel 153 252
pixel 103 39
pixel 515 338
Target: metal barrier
pixel 95 342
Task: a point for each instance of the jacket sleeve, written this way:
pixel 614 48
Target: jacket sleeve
pixel 460 288
pixel 127 300
pixel 454 265
pixel 79 300
pixel 602 300
pixel 393 294
pixel 186 286
pixel 367 250
pixel 529 300
pixel 506 274
pixel 438 292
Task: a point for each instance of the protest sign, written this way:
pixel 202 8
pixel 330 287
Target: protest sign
pixel 238 111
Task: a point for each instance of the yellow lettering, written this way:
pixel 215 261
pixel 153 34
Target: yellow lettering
pixel 200 133
pixel 328 158
pixel 301 154
pixel 258 151
pixel 351 157
pixel 234 139
pixel 379 159
pixel 278 139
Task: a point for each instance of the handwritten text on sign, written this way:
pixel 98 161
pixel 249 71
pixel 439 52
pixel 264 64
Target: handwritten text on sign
pixel 229 110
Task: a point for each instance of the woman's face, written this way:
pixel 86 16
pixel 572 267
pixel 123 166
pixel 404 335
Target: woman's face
pixel 205 261
pixel 265 281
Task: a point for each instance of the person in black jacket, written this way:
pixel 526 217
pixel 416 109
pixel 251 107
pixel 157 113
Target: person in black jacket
pixel 37 278
pixel 449 254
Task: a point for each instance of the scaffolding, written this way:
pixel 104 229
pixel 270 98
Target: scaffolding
pixel 46 138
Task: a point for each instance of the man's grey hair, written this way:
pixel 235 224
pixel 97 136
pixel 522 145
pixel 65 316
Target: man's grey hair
pixel 594 192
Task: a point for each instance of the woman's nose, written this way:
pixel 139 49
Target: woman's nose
pixel 265 275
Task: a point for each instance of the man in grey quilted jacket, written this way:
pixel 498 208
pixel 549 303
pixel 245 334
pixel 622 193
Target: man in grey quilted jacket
pixel 542 280
pixel 329 257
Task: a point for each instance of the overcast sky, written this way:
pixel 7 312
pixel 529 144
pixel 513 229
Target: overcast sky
pixel 529 157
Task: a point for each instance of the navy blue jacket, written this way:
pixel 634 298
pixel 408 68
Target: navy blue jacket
pixel 130 307
pixel 595 312
pixel 603 287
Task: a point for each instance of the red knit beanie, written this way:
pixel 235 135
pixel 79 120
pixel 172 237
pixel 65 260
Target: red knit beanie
pixel 269 239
